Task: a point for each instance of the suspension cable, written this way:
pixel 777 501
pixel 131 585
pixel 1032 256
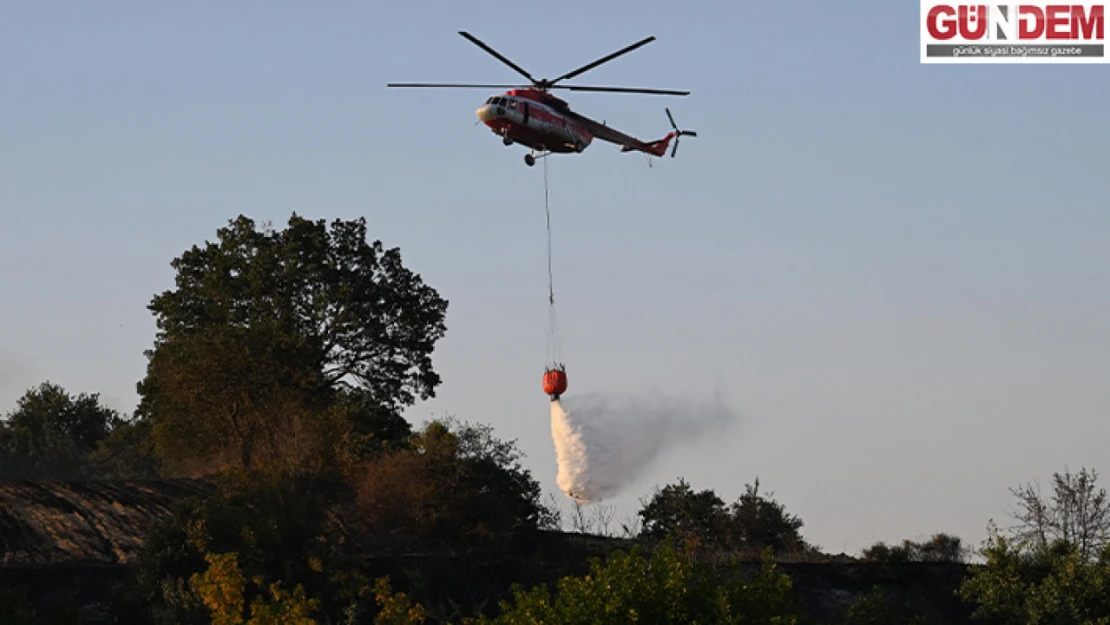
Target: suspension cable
pixel 554 349
pixel 547 210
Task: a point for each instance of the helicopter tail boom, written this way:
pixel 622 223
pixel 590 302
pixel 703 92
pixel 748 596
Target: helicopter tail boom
pixel 655 148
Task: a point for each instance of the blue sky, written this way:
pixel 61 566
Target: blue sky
pixel 896 273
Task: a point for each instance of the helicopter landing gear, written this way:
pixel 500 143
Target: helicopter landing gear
pixel 530 159
pixel 506 140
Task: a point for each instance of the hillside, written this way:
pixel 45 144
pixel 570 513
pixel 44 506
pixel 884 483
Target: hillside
pixel 93 523
pixel 74 540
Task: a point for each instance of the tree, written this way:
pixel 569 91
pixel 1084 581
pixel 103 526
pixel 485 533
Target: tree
pixel 889 554
pixel 280 526
pixel 454 482
pixel 940 548
pixel 51 433
pixel 751 524
pixel 223 589
pixel 1024 583
pixel 127 453
pixel 690 517
pixel 268 330
pixel 235 397
pixel 759 522
pixel 1077 513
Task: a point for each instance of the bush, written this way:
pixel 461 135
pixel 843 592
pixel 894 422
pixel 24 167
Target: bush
pixel 668 586
pixel 940 548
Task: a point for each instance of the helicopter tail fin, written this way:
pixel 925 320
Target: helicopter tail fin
pixel 659 148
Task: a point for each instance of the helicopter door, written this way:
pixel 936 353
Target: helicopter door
pixel 524 105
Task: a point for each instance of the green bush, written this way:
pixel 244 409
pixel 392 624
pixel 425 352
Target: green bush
pixel 667 586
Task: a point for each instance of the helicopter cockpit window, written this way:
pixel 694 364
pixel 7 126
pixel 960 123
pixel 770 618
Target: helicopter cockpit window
pixel 512 104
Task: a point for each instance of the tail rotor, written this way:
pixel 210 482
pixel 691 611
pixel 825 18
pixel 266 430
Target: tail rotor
pixel 677 133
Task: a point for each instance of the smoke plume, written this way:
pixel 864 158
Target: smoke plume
pixel 604 442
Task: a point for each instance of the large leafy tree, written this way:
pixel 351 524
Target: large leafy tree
pixel 51 433
pixel 269 334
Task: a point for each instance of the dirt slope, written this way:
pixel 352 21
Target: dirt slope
pixel 49 523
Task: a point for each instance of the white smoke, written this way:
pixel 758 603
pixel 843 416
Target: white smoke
pixel 604 442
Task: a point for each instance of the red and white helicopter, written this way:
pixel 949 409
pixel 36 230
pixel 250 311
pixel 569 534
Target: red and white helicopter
pixel 529 115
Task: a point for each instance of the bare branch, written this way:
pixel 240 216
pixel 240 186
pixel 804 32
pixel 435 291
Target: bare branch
pixel 1077 513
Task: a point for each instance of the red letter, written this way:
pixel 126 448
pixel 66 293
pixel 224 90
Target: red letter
pixel 934 23
pixel 980 17
pixel 1058 15
pixel 1089 24
pixel 1033 27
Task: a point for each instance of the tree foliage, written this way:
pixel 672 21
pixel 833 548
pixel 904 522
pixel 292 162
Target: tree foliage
pixel 454 482
pixel 280 526
pixel 759 522
pixel 668 586
pixel 52 434
pixel 751 524
pixel 875 608
pixel 451 484
pixel 223 587
pixel 940 547
pixel 1054 567
pixel 266 331
pixel 679 512
pixel 1023 583
pixel 128 452
pixel 396 608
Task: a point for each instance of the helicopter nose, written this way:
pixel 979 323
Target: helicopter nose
pixel 486 113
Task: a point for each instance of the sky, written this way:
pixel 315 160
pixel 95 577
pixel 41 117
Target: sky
pixel 896 274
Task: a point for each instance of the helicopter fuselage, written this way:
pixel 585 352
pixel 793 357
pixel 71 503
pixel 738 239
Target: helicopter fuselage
pixel 521 116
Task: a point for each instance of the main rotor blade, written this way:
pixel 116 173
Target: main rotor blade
pixel 496 54
pixel 621 90
pixel 443 84
pixel 606 59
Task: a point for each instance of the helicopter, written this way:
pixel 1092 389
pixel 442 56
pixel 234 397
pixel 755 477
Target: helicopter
pixel 530 116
